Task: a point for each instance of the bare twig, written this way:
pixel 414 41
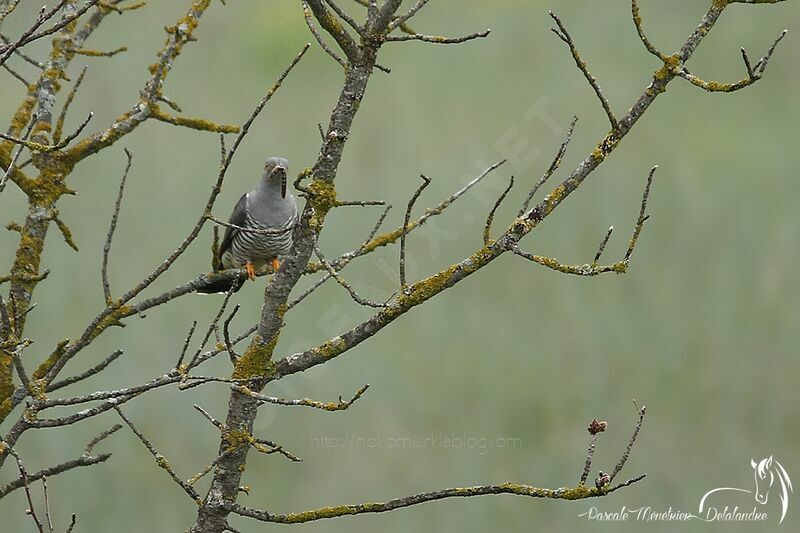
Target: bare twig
pixel 358 203
pixel 69 138
pixel 260 231
pixel 115 401
pixel 273 447
pixel 216 423
pixel 70 97
pixel 642 214
pixel 753 73
pixel 46 148
pixel 128 392
pixel 631 442
pixel 55 470
pixel 160 460
pixel 13 162
pixel 47 505
pixel 637 20
pixel 487 228
pixel 16 75
pixel 200 475
pixel 99 53
pixel 346 17
pixel 328 50
pixel 24 475
pixel 87 459
pixel 602 246
pixel 307 402
pixel 750 72
pixel 186 345
pixel 438 39
pixel 21 373
pixel 562 34
pixel 113 226
pixel 761 66
pixel 100 438
pixel 72 522
pixel 588 464
pixel 331 25
pixel 341 281
pixel 425 182
pixel 551 170
pixel 226 335
pixel 267 97
pixel 64 229
pixel 400 20
pixel 213 325
pixel 372 9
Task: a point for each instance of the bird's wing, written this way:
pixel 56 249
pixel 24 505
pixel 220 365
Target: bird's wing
pixel 237 218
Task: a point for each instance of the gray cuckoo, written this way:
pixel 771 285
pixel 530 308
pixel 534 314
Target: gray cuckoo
pixel 261 228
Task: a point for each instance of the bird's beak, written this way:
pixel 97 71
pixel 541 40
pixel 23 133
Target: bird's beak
pixel 281 171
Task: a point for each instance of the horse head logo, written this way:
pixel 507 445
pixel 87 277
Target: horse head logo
pixel 766 472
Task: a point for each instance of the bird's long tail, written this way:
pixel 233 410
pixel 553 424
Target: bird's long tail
pixel 222 285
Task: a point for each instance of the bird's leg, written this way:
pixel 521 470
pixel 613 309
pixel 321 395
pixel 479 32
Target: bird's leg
pixel 251 270
pixel 275 265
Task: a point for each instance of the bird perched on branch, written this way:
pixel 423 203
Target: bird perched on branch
pixel 260 229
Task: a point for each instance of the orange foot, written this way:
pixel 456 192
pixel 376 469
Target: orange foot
pixel 251 271
pixel 275 265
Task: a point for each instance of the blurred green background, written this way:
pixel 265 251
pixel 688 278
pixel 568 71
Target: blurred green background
pixel 703 329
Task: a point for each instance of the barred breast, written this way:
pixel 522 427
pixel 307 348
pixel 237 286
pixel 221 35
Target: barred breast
pixel 259 247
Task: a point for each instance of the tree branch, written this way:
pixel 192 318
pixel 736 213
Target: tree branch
pixel 147 107
pixel 331 24
pixel 87 459
pixel 112 227
pixel 580 492
pixel 425 182
pixel 562 34
pixel 753 74
pixel 160 459
pixel 307 402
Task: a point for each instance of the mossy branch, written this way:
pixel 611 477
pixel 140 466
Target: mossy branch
pixel 593 269
pixel 602 487
pixel 306 402
pixel 753 73
pixel 331 24
pixel 193 123
pixel 177 37
pixel 580 492
pixel 99 53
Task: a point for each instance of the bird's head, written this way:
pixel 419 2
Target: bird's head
pixel 275 171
